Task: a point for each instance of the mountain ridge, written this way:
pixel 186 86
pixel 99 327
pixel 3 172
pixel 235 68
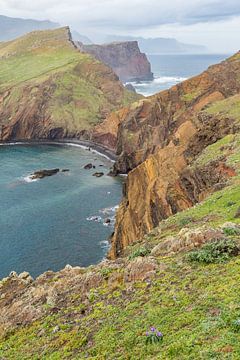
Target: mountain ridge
pixel 160 45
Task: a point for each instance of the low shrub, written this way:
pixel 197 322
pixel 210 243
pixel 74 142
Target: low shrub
pixel 236 325
pixel 217 251
pixel 230 231
pixel 142 251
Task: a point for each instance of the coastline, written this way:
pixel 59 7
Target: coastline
pixel 84 144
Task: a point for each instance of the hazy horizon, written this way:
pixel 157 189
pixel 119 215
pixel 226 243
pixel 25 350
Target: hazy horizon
pixel 211 23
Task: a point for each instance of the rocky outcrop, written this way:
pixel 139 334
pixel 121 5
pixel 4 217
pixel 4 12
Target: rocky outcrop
pixel 159 140
pixel 40 174
pixel 124 58
pixel 51 90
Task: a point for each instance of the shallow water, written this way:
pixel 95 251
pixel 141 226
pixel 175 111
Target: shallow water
pixel 58 220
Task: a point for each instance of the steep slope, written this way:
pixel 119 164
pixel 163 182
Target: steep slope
pixel 124 58
pixel 158 141
pixel 49 89
pixel 103 312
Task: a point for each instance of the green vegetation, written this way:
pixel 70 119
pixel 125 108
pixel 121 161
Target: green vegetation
pixel 78 90
pixel 229 107
pixel 217 251
pixel 190 96
pixel 194 306
pixel 142 251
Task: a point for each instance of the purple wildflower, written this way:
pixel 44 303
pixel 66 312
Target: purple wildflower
pixel 153 329
pixel 147 333
pixel 159 334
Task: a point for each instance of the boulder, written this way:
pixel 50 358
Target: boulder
pixel 140 269
pixel 88 166
pixel 187 239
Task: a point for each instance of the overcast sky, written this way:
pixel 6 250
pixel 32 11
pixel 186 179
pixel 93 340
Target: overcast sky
pixel 214 23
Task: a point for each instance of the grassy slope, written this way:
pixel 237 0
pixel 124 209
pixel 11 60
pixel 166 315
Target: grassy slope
pixel 194 305
pixel 49 56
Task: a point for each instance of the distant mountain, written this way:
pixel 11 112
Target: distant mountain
pixel 160 45
pixel 82 38
pixel 12 28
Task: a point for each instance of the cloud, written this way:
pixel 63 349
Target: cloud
pixel 124 14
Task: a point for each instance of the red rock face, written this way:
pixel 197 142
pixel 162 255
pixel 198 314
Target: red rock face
pixel 124 58
pixel 158 141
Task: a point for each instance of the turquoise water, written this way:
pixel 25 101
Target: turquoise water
pixel 43 224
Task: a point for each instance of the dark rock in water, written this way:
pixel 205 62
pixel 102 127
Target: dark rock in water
pixel 101 165
pixel 107 221
pixel 98 174
pixel 65 170
pixel 94 167
pixel 43 173
pixel 130 87
pixel 88 166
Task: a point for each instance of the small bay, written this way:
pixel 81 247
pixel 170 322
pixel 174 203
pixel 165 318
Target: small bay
pixel 58 220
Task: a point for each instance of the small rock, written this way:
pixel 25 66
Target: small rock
pixel 107 221
pixel 65 170
pixel 98 174
pixel 68 267
pixel 26 277
pixel 13 274
pixel 88 166
pixel 41 333
pixel 141 269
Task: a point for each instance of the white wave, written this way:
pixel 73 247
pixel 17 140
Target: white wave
pixel 104 244
pixel 94 218
pixel 110 210
pixel 159 80
pixel 85 147
pixel 29 179
pixel 168 79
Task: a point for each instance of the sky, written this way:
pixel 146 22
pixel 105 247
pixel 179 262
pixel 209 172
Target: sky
pixel 213 23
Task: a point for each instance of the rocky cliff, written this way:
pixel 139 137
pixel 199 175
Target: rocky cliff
pixel 180 283
pixel 160 138
pixel 124 58
pixel 49 89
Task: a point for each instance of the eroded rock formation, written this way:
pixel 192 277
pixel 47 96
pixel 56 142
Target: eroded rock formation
pixel 125 58
pixel 158 142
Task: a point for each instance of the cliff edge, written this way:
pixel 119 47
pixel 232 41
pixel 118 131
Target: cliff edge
pixel 49 89
pixel 125 58
pixel 159 140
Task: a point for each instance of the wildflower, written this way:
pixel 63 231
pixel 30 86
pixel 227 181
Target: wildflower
pixel 152 329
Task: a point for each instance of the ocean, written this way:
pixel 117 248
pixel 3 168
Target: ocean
pixel 58 220
pixel 170 70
